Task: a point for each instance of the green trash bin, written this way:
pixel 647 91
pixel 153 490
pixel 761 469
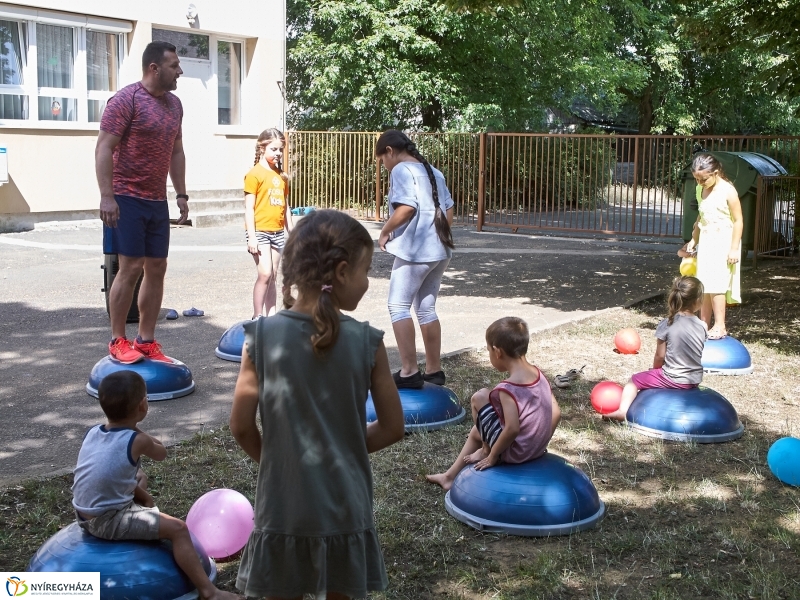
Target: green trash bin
pixel 742 169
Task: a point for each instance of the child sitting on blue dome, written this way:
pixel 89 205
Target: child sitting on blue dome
pixel 680 339
pixel 110 491
pixel 515 421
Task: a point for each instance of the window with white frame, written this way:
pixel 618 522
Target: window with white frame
pixel 13 100
pixel 102 66
pixel 57 67
pixel 227 63
pixel 229 82
pixel 55 73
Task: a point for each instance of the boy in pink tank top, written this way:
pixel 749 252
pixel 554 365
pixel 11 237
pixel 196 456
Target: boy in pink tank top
pixel 515 421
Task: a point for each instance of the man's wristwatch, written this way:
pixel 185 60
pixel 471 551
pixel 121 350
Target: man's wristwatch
pixel 184 196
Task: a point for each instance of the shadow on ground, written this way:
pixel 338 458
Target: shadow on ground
pixel 46 353
pixel 46 358
pixel 566 282
pixel 770 310
pixel 682 520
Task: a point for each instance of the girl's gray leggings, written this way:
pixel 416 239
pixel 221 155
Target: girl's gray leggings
pixel 417 284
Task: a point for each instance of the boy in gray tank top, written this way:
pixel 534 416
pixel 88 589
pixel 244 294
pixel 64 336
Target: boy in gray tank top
pixel 110 491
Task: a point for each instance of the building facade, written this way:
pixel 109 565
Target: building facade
pixel 60 61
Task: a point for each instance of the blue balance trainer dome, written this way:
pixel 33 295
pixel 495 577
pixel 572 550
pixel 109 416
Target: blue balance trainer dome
pixel 700 415
pixel 543 497
pixel 726 356
pixel 783 459
pixel 164 380
pixel 231 343
pixel 429 408
pixel 128 569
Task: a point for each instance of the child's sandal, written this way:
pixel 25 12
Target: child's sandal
pixel 565 380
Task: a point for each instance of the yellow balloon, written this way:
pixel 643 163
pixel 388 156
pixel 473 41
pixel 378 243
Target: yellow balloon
pixel 689 266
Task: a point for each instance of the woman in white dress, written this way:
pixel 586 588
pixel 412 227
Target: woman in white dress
pixel 717 236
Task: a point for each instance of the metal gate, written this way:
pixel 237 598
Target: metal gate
pixel 608 184
pixel 777 228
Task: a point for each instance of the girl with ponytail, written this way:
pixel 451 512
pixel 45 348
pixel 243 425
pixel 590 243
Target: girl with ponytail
pixel 307 371
pixel 266 215
pixel 680 339
pixel 418 235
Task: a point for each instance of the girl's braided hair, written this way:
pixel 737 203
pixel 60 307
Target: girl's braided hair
pixel 685 294
pixel 265 137
pixel 400 142
pixel 316 246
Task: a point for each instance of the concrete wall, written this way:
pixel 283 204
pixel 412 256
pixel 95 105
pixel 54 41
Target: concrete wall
pixel 51 165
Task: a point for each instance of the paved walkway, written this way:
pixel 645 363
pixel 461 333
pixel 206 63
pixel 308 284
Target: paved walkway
pixel 53 324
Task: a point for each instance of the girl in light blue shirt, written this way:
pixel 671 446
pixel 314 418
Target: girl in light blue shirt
pixel 418 235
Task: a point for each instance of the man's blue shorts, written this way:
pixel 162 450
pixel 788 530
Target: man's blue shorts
pixel 142 229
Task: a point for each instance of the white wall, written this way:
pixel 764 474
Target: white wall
pixel 250 18
pixel 45 156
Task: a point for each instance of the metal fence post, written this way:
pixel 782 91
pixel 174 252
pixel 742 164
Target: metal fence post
pixel 635 181
pixel 378 190
pixel 756 240
pixel 482 181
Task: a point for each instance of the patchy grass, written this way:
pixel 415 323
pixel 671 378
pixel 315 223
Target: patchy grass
pixel 682 521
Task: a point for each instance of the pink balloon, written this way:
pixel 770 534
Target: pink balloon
pixel 222 521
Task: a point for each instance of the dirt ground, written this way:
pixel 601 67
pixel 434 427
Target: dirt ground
pixel 682 520
pixel 770 311
pixel 54 325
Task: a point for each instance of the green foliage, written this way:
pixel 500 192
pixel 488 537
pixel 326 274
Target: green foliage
pixel 472 65
pixel 768 28
pixel 688 90
pixel 548 173
pixel 371 64
pixel 479 5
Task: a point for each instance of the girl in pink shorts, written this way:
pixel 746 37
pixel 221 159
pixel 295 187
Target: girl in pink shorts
pixel 679 347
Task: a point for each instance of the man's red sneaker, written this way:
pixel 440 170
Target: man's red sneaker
pixel 151 350
pixel 122 350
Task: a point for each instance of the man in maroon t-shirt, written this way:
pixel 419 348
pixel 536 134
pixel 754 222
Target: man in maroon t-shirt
pixel 138 145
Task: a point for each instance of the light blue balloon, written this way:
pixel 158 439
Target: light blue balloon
pixel 783 459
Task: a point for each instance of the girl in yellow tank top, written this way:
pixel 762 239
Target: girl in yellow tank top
pixel 266 216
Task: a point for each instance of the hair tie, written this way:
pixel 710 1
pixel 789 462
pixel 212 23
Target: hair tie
pixel 327 288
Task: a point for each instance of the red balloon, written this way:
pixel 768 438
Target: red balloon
pixel 606 397
pixel 627 341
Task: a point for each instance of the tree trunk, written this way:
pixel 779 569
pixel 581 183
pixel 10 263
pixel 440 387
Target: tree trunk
pixel 432 115
pixel 646 110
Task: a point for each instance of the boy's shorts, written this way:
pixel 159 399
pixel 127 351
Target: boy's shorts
pixel 656 379
pixel 275 239
pixel 142 228
pixel 134 522
pixel 488 424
